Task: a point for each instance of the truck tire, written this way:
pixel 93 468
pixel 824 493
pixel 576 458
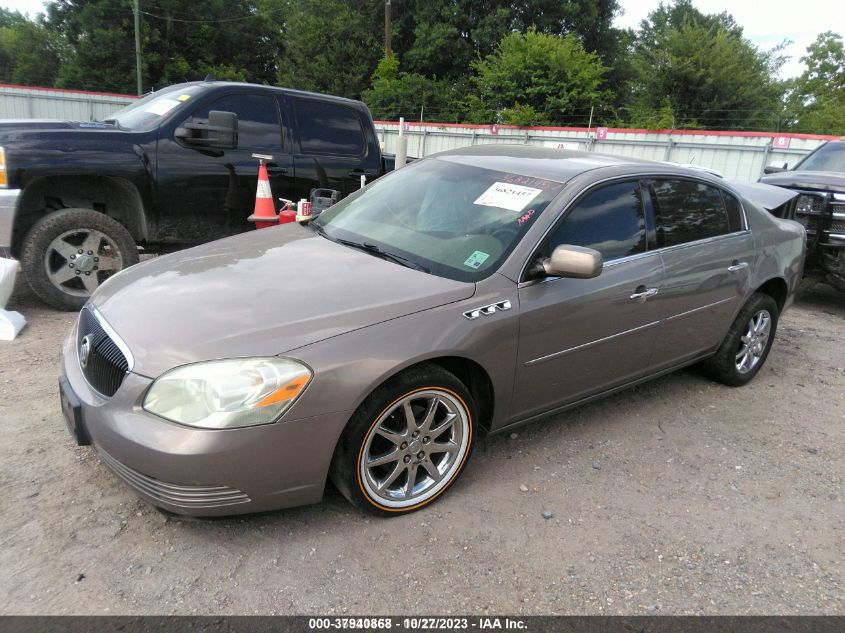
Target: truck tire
pixel 67 254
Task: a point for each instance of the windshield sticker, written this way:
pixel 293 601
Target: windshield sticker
pixel 507 196
pixel 162 107
pixel 476 259
pixel 183 97
pixel 525 217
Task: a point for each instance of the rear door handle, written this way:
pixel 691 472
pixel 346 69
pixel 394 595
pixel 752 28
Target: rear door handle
pixel 642 293
pixel 274 169
pixel 736 266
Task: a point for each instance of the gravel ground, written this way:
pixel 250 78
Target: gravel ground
pixel 677 497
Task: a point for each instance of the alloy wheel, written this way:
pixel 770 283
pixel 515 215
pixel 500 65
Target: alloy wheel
pixel 415 448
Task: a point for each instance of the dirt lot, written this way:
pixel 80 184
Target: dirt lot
pixel 680 496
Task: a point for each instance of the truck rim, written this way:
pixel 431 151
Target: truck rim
pixel 78 261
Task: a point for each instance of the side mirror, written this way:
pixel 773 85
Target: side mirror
pixel 775 169
pixel 220 132
pixel 573 261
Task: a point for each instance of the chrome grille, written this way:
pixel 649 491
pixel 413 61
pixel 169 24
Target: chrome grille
pixel 175 495
pixel 103 363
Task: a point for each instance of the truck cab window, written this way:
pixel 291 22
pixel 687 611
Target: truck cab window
pixel 258 119
pixel 329 128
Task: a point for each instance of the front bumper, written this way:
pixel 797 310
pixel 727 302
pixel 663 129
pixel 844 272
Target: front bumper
pixel 201 472
pixel 8 208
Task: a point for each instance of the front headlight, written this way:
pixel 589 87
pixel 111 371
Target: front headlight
pixel 226 394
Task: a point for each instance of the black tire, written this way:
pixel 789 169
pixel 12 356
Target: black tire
pixel 421 387
pixel 38 255
pixel 722 366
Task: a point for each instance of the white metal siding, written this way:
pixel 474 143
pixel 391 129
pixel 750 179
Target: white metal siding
pixel 30 103
pixel 738 157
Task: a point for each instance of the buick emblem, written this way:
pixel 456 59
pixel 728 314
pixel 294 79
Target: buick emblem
pixel 84 351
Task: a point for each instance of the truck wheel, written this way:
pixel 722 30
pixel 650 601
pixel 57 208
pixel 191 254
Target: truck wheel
pixel 67 254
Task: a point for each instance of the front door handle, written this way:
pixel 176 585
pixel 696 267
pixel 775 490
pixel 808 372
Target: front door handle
pixel 736 266
pixel 274 170
pixel 642 293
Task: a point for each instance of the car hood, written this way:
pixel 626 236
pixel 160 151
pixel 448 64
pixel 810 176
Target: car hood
pixel 816 180
pixel 261 293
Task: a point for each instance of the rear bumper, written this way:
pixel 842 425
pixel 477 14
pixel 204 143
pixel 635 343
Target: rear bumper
pixel 201 472
pixel 8 208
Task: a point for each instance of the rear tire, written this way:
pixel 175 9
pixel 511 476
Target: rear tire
pixel 67 254
pixel 747 343
pixel 407 443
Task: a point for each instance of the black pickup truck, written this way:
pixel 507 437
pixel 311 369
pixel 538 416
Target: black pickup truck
pixel 819 180
pixel 171 170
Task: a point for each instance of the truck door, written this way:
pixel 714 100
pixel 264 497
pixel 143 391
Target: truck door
pixel 333 146
pixel 204 194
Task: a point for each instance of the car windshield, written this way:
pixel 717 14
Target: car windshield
pixel 152 110
pixel 441 216
pixel 830 157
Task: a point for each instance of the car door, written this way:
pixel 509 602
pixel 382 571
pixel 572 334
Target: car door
pixel 333 146
pixel 205 194
pixel 579 337
pixel 707 255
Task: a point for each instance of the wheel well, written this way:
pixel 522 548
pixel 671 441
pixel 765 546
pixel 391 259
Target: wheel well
pixel 116 197
pixel 777 289
pixel 477 381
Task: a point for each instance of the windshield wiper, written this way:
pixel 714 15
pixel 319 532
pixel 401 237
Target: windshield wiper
pixel 372 249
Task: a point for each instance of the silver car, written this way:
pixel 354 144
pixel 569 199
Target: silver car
pixel 462 295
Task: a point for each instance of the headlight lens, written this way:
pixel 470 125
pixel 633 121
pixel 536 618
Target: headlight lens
pixel 226 394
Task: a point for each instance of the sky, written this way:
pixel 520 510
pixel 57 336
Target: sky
pixel 766 22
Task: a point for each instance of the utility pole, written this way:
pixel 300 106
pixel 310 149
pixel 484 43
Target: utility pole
pixel 138 46
pixel 388 49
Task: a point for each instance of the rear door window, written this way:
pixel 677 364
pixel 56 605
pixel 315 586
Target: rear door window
pixel 329 128
pixel 686 211
pixel 609 220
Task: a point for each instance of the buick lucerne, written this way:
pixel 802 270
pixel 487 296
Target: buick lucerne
pixel 464 294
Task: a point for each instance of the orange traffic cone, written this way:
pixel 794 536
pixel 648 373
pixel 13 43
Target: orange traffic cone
pixel 265 212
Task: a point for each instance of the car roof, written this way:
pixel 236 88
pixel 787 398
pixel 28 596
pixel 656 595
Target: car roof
pixel 540 162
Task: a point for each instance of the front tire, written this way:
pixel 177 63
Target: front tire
pixel 67 254
pixel 747 343
pixel 407 443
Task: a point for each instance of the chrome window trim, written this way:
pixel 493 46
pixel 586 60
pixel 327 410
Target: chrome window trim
pixel 121 345
pixel 635 177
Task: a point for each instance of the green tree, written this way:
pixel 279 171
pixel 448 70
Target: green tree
pixel 816 102
pixel 181 40
pixel 332 45
pixel 442 39
pixel 709 73
pixel 30 54
pixel 546 78
pixel 397 94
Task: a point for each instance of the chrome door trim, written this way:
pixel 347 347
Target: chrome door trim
pixel 542 359
pixel 698 309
